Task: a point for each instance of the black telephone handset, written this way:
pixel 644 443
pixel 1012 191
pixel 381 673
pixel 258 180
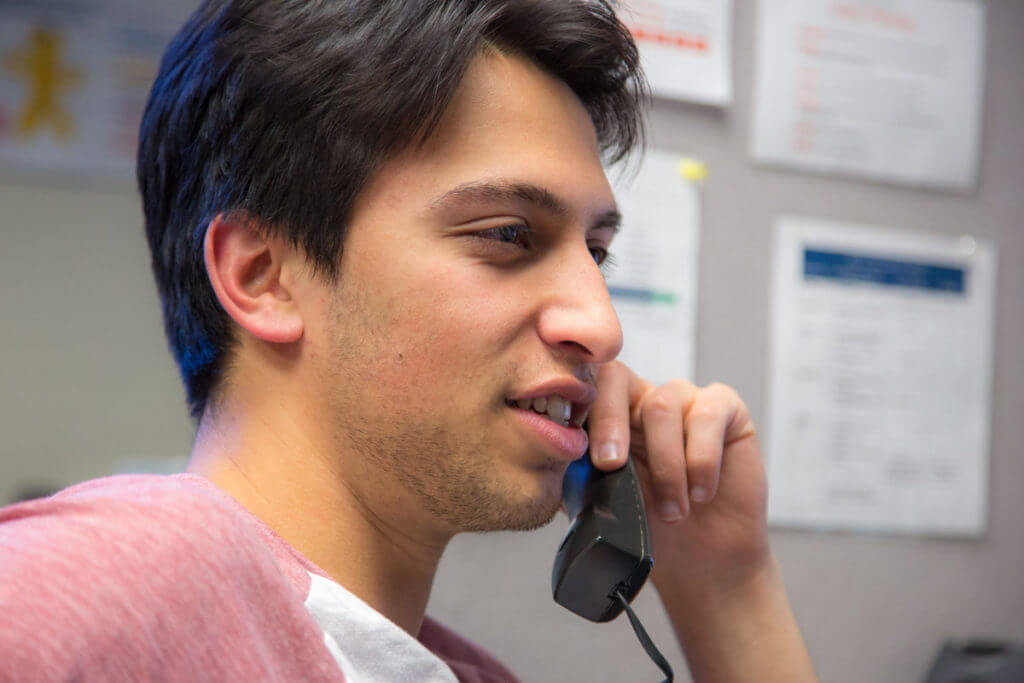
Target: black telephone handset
pixel 607 547
pixel 605 557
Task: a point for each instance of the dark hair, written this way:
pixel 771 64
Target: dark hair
pixel 281 110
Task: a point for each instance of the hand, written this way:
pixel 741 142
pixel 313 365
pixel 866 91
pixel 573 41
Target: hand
pixel 697 455
pixel 704 482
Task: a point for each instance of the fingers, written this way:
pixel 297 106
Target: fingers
pixel 681 433
pixel 685 431
pixel 608 423
pixel 662 416
pixel 706 423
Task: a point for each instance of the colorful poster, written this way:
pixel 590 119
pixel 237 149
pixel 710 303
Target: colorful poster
pixel 74 78
pixel 685 47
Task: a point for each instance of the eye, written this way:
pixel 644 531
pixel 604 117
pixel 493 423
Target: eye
pixel 515 233
pixel 604 259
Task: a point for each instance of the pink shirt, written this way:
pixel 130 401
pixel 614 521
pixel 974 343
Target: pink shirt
pixel 141 577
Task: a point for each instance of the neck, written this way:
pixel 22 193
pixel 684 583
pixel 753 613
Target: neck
pixel 332 507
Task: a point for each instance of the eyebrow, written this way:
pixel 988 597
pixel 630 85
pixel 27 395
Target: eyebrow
pixel 501 191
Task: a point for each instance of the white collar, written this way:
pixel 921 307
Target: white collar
pixel 368 646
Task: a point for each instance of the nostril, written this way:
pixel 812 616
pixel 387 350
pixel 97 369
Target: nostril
pixel 578 348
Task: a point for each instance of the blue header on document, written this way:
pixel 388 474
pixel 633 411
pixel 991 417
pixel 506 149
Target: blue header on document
pixel 852 267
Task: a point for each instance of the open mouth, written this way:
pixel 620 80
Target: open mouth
pixel 557 409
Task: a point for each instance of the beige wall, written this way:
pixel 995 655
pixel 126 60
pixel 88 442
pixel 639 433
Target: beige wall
pixel 86 382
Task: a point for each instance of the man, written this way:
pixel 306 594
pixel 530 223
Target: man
pixel 377 231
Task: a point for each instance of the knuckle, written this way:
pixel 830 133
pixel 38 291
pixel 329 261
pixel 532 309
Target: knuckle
pixel 705 412
pixel 667 471
pixel 724 391
pixel 658 404
pixel 677 386
pixel 701 464
pixel 717 386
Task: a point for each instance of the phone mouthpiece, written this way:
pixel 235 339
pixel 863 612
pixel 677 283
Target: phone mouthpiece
pixel 607 548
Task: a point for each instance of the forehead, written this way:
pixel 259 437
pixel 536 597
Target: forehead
pixel 509 92
pixel 508 119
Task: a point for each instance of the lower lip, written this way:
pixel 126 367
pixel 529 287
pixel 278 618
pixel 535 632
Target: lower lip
pixel 569 443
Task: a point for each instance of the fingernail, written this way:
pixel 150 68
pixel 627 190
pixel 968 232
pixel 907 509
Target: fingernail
pixel 669 511
pixel 607 452
pixel 699 494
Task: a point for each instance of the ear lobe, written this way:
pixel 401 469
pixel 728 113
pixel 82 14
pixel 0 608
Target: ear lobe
pixel 245 267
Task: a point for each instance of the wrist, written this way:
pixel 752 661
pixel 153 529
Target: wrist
pixel 739 624
pixel 700 577
pixel 718 592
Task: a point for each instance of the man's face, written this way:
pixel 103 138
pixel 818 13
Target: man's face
pixel 469 285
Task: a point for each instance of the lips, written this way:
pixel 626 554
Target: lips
pixel 555 408
pixel 579 395
pixel 563 442
pixel 553 411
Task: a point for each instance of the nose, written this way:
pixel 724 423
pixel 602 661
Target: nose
pixel 578 318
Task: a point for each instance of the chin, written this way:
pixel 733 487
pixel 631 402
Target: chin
pixel 525 508
pixel 465 484
pixel 518 518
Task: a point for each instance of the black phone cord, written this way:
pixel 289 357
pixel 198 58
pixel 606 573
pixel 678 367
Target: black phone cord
pixel 645 640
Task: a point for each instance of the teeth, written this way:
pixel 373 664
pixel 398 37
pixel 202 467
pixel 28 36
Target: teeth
pixel 559 408
pixel 555 408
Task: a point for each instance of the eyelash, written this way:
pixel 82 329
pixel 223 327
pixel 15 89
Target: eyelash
pixel 501 234
pixel 603 258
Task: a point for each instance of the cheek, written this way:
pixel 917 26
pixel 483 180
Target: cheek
pixel 449 334
pixel 423 330
pixel 445 328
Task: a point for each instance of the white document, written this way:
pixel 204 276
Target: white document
pixel 880 380
pixel 653 282
pixel 685 47
pixel 889 91
pixel 74 79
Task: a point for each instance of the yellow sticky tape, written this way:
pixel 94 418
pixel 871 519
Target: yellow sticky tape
pixel 692 170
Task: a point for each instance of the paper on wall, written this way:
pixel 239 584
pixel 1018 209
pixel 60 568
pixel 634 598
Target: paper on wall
pixel 880 379
pixel 74 79
pixel 887 91
pixel 685 47
pixel 654 281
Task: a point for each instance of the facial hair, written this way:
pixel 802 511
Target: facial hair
pixel 446 466
pixel 453 480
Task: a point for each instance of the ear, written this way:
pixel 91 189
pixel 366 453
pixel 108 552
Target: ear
pixel 251 273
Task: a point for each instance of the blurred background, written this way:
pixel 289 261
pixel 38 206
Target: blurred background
pixel 88 389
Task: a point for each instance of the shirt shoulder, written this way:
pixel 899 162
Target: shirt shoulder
pixel 114 579
pixel 139 523
pixel 470 662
